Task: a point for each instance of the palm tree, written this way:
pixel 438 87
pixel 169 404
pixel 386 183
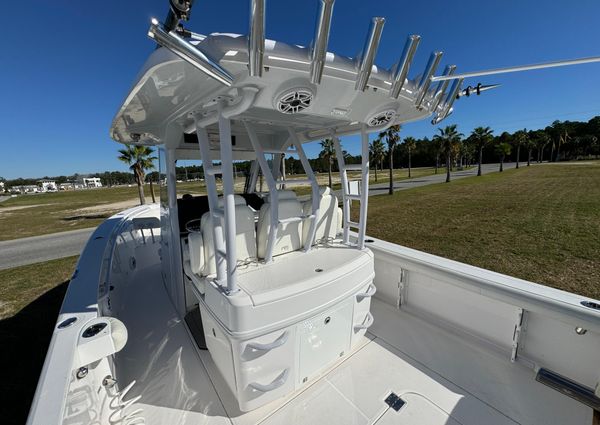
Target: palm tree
pixel 449 141
pixel 377 153
pixel 520 138
pixel 437 147
pixel 392 136
pixel 503 148
pixel 328 154
pixel 409 144
pixel 481 136
pixel 139 159
pixel 541 139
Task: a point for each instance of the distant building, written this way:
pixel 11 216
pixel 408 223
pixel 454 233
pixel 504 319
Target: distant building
pixel 47 186
pixel 92 182
pixel 28 188
pixel 2 188
pixel 66 186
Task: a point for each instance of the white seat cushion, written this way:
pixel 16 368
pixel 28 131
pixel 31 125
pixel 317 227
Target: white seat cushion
pixel 289 235
pixel 245 237
pixel 196 252
pixel 327 219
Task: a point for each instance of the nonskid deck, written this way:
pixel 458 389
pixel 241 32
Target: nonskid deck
pixel 442 377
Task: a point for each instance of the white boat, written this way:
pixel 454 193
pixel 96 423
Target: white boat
pixel 251 308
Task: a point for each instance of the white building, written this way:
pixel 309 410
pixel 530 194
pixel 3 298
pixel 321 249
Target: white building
pixel 2 187
pixel 47 186
pixel 92 182
pixel 23 189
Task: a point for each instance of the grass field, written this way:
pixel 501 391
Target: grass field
pixel 538 223
pixel 32 215
pixel 22 285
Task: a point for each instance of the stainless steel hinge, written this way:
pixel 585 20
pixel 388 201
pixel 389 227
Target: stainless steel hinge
pixel 517 334
pixel 402 284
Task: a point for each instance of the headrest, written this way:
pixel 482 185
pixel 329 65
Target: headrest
pixel 325 191
pixel 239 200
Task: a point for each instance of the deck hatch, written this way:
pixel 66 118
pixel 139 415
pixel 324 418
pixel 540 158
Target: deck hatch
pixel 394 401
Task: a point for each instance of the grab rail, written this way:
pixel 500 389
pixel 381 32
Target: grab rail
pixel 278 382
pixel 267 347
pixel 371 290
pixel 366 323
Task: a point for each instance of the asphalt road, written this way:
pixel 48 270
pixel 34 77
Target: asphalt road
pixel 37 249
pixel 382 188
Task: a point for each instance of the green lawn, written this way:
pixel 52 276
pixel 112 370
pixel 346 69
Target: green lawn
pixel 31 215
pixel 21 285
pixel 538 223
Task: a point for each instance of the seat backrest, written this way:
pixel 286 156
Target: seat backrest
pixel 196 252
pixel 327 219
pixel 245 237
pixel 289 235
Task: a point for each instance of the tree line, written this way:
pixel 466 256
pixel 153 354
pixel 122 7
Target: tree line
pixel 449 148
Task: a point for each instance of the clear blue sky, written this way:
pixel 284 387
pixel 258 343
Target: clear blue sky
pixel 66 66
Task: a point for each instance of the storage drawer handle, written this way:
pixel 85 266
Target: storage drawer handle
pixel 278 382
pixel 370 292
pixel 366 324
pixel 266 347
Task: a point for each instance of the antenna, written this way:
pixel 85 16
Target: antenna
pixel 368 54
pixel 319 48
pixel 178 10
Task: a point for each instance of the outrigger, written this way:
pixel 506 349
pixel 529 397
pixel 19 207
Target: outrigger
pixel 253 307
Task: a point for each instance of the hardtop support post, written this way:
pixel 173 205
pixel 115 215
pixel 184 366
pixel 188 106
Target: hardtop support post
pixel 228 198
pixel 316 197
pixel 364 189
pixel 254 170
pixel 271 184
pixel 344 181
pixel 213 203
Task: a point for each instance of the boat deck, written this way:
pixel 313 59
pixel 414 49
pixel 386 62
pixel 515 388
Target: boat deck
pixel 444 378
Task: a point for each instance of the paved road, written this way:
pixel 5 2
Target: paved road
pixel 382 188
pixel 36 249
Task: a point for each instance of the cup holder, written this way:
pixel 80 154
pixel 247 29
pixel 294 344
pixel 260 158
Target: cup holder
pixel 590 304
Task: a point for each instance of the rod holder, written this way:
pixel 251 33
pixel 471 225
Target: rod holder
pixel 192 55
pixel 319 48
pixel 432 64
pixel 410 47
pixel 256 38
pixel 368 55
pixel 450 99
pixel 442 86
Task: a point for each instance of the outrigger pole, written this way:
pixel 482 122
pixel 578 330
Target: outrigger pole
pixel 521 68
